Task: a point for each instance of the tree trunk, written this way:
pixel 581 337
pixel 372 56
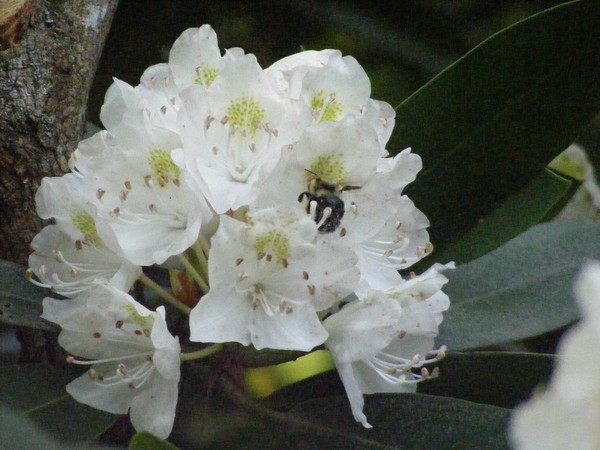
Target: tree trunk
pixel 45 78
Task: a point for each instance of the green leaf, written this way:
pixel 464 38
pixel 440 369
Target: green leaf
pixel 405 421
pixel 147 441
pixel 520 290
pixel 400 421
pixel 20 300
pixel 528 207
pixel 38 391
pixel 315 413
pixel 495 378
pixel 18 432
pixel 488 124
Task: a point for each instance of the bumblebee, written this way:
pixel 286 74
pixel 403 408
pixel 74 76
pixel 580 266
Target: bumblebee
pixel 325 195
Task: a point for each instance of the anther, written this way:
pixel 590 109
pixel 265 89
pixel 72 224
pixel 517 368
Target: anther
pixel 121 370
pixel 305 275
pixel 239 261
pixel 100 193
pixel 311 289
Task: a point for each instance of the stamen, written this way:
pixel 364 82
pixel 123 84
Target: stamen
pixel 312 208
pixel 393 369
pixel 326 215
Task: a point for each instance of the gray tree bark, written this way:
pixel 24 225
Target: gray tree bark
pixel 45 78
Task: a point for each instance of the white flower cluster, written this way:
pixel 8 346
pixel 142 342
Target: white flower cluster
pixel 273 190
pixel 566 415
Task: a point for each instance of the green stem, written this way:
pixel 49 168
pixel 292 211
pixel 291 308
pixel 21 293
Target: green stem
pixel 167 296
pixel 203 244
pixel 207 351
pixel 201 256
pixel 194 273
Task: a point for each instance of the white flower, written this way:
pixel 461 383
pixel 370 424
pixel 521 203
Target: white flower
pixel 142 195
pixel 70 267
pixel 268 280
pixel 333 87
pixel 377 342
pixel 566 415
pixel 234 132
pixel 64 200
pixel 384 229
pixel 159 95
pixel 399 171
pixel 135 360
pixel 195 59
pixel 343 155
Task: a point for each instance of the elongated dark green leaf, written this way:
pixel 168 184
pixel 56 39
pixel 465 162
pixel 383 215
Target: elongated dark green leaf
pixel 495 378
pixel 489 123
pixel 38 391
pixel 316 414
pixel 518 213
pixel 520 290
pixel 20 300
pixel 403 421
pixel 406 421
pixel 18 432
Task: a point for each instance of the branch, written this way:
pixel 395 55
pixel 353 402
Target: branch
pixel 45 80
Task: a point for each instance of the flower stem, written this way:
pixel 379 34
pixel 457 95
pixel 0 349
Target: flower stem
pixel 194 273
pixel 168 297
pixel 201 256
pixel 205 352
pixel 203 243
